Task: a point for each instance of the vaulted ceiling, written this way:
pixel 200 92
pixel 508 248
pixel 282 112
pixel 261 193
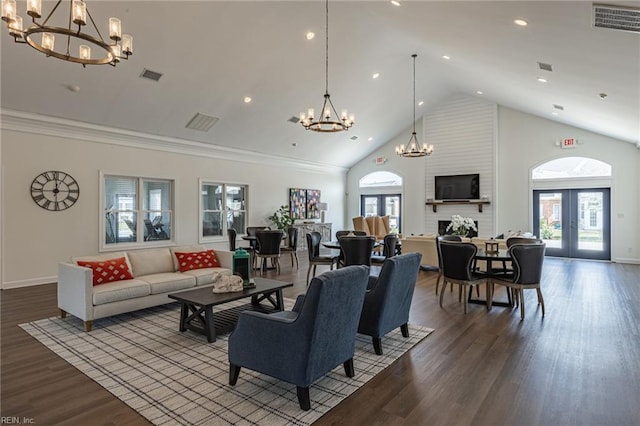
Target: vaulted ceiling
pixel 213 54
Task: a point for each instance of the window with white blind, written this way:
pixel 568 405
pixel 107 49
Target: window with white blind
pixel 222 206
pixel 137 211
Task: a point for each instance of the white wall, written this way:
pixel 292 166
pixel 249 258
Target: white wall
pixel 410 169
pixel 527 141
pixel 523 142
pixel 35 240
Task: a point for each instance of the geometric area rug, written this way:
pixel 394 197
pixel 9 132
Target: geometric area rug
pixel 174 378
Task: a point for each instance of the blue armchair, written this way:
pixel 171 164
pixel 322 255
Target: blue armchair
pixel 302 345
pixel 388 298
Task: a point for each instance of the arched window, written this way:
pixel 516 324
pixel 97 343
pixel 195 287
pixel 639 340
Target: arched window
pixel 571 167
pixel 380 195
pixel 378 179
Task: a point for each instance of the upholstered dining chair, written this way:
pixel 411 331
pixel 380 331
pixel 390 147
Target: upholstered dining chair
pixel 508 268
pixel 356 250
pixel 440 238
pixel 457 268
pixel 388 298
pixel 268 247
pixel 292 246
pixel 232 236
pixel 315 258
pixel 304 344
pixel 389 249
pixel 345 232
pixel 527 260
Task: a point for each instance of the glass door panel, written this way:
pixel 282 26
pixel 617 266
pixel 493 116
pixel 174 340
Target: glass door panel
pixel 383 205
pixel 574 222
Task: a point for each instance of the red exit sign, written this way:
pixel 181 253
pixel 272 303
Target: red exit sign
pixel 569 143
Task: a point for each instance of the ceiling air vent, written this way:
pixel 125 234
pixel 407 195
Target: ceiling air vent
pixel 151 75
pixel 560 107
pixel 202 122
pixel 545 67
pixel 616 17
pixel 294 119
pixel 353 138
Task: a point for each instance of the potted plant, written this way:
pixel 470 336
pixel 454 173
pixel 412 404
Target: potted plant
pixel 281 218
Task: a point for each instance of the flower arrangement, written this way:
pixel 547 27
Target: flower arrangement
pixel 461 225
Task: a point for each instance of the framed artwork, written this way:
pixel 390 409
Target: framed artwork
pixel 297 203
pixel 313 198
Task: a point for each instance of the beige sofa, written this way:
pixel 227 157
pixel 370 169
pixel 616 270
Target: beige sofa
pixel 155 272
pixel 426 244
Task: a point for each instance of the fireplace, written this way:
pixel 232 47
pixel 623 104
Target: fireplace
pixel 442 228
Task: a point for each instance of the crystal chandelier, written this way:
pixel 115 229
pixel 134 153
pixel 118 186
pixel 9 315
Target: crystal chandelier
pixel 413 148
pixel 325 123
pixel 75 45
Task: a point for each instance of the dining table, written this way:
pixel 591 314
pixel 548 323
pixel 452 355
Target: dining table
pixel 489 257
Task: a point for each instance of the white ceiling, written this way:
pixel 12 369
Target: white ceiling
pixel 212 54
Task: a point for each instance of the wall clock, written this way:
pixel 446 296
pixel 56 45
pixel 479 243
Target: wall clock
pixel 54 190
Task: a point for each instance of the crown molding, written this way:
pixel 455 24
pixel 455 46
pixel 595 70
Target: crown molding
pixel 53 126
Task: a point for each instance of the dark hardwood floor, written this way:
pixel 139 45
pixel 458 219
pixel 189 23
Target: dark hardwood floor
pixel 580 365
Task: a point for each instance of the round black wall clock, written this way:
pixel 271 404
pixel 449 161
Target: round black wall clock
pixel 55 190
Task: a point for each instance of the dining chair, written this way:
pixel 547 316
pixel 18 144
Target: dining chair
pixel 345 232
pixel 440 238
pixel 527 260
pixel 292 247
pixel 457 268
pixel 356 250
pixel 389 249
pixel 268 247
pixel 509 242
pixel 315 258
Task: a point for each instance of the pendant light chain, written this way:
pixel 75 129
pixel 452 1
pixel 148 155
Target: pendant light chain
pixel 328 120
pixel 414 92
pixel 326 54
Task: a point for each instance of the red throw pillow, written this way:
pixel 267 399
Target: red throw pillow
pixel 108 271
pixel 197 260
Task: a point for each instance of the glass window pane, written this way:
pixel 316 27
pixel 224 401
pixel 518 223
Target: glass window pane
pixel 120 209
pixel 551 219
pixel 211 197
pixel 590 226
pixel 156 195
pixel 212 224
pixel 157 226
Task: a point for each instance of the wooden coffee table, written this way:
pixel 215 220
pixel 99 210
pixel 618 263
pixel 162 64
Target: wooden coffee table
pixel 196 306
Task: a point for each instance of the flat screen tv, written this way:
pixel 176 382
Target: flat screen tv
pixel 458 187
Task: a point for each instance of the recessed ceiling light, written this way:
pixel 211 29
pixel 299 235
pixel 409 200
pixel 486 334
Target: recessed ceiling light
pixel 370 139
pixel 310 35
pixel 447 57
pixel 554 113
pixel 479 92
pixel 521 22
pixel 72 88
pixel 395 2
pixel 541 79
pixel 420 103
pixel 247 99
pixel 376 75
pixel 602 95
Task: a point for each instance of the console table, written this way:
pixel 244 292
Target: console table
pixel 306 228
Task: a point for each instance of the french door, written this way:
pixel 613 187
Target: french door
pixel 574 222
pixel 383 205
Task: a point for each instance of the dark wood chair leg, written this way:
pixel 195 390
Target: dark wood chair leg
pixel 303 398
pixel 404 328
pixel 377 345
pixel 348 368
pixel 234 372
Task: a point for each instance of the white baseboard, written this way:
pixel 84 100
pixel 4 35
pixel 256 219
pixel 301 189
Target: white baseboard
pixel 28 283
pixel 627 260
